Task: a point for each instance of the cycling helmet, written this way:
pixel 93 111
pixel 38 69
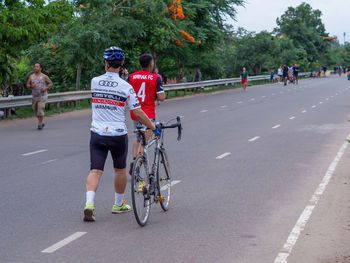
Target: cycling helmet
pixel 114 53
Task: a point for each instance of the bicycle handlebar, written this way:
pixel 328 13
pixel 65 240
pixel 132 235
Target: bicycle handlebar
pixel 177 124
pixel 162 126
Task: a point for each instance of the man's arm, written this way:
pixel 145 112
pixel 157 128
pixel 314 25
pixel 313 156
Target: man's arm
pixel 29 82
pixel 160 90
pixel 142 117
pixel 48 82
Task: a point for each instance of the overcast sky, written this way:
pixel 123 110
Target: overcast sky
pixel 258 15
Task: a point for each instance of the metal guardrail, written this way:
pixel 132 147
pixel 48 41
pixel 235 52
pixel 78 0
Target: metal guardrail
pixel 20 101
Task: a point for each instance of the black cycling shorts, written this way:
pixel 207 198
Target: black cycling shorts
pixel 99 147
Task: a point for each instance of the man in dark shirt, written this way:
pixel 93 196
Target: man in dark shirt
pixel 285 74
pixel 295 73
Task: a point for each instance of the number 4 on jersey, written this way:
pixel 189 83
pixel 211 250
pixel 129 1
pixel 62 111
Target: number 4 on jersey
pixel 142 92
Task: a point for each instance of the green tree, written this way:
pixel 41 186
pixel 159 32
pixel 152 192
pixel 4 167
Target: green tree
pixel 304 26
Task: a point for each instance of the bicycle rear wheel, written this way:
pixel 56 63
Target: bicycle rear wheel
pixel 140 191
pixel 164 180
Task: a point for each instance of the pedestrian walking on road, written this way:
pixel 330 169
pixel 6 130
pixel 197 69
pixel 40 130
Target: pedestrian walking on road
pixel 295 73
pixel 244 78
pixel 39 83
pixel 285 74
pixel 110 96
pixel 280 74
pixel 272 75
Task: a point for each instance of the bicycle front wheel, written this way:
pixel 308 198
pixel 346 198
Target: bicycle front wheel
pixel 140 191
pixel 164 180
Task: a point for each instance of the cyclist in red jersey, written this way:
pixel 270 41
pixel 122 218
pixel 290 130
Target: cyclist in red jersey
pixel 148 88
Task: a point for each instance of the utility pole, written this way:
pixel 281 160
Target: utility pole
pixel 344 38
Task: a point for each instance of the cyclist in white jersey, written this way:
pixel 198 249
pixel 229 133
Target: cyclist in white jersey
pixel 110 96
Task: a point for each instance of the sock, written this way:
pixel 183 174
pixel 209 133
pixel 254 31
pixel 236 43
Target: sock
pixel 90 197
pixel 118 199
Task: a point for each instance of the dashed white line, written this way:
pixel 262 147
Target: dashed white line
pixel 304 111
pixel 49 161
pixel 63 242
pixel 164 187
pixel 321 102
pixel 202 111
pixel 252 99
pixel 292 118
pixel 223 106
pixel 254 139
pixel 332 96
pixel 263 96
pixel 327 99
pixel 313 106
pixel 31 153
pixel 273 94
pixel 276 126
pixel 305 215
pixel 222 156
pixel 240 102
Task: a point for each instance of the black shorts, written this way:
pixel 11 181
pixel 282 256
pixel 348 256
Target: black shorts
pixel 99 147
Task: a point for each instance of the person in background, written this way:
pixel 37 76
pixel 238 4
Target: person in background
pixel 285 74
pixel 295 73
pixel 272 75
pixel 39 83
pixel 198 76
pixel 244 78
pixel 280 74
pixel 156 71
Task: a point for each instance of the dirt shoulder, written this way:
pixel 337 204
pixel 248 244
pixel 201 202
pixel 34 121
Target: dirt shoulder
pixel 326 238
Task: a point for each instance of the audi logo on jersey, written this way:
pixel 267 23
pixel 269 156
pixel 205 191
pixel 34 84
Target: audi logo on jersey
pixel 107 83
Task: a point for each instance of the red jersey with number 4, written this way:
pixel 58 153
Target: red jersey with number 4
pixel 146 85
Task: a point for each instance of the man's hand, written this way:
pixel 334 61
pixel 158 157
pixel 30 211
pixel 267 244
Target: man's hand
pixel 43 89
pixel 157 131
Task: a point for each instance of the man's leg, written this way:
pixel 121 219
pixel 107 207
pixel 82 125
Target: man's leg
pixel 119 187
pixel 92 182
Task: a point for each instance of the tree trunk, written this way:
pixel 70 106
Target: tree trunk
pixel 77 83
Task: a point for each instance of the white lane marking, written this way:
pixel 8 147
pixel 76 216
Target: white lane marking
pixel 304 111
pixel 202 111
pixel 305 215
pixel 313 106
pixel 164 187
pixel 327 99
pixel 254 139
pixel 263 96
pixel 332 96
pixel 222 156
pixel 49 161
pixel 273 94
pixel 321 102
pixel 223 106
pixel 63 242
pixel 276 126
pixel 31 153
pixel 292 118
pixel 252 99
pixel 240 102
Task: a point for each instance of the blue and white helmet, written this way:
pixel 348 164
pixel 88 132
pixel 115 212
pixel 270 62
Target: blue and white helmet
pixel 114 53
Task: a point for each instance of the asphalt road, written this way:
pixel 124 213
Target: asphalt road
pixel 248 164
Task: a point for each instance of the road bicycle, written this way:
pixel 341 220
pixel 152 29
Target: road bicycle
pixel 151 180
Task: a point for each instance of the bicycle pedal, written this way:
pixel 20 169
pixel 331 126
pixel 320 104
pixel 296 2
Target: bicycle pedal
pixel 160 198
pixel 163 179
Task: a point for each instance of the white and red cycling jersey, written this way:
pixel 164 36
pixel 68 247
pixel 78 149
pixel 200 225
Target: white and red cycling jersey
pixel 146 85
pixel 110 96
